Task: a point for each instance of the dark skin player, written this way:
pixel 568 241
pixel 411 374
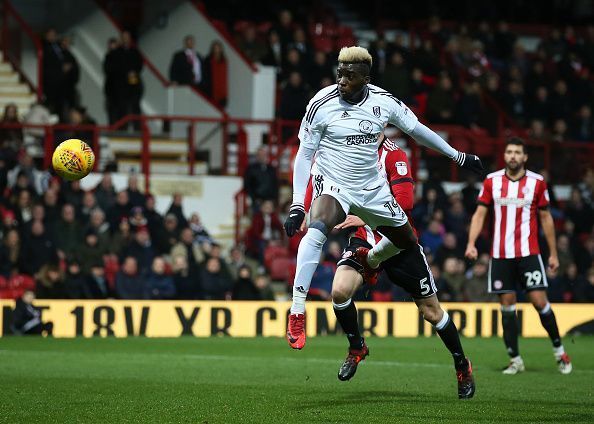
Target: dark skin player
pixel 352 80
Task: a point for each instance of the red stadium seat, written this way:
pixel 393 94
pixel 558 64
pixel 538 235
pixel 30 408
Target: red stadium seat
pixel 3 283
pixel 279 268
pixel 21 282
pixel 274 252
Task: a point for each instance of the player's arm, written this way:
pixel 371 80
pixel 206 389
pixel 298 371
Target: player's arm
pixel 400 178
pixel 403 118
pixel 476 225
pixel 548 227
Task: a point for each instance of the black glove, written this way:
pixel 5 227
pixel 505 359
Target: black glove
pixel 471 162
pixel 295 218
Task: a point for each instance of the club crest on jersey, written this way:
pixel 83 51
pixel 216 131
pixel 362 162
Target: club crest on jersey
pixel 376 111
pixel 401 168
pixel 525 190
pixel 365 127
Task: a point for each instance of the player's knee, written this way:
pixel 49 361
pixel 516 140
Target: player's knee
pixel 340 295
pixel 319 225
pixel 541 305
pixel 431 313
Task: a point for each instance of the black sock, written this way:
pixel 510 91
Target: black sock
pixel 349 322
pixel 549 322
pixel 451 339
pixel 510 332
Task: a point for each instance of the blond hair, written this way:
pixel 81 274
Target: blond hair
pixel 355 54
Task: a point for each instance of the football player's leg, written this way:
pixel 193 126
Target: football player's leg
pixel 346 282
pixel 509 321
pixel 539 299
pixel 445 327
pixel 396 239
pixel 326 212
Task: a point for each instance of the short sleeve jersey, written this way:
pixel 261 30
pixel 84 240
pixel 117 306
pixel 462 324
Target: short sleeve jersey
pixel 345 135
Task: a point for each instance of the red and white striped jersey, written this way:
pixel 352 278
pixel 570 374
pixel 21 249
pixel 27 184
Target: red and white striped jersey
pixel 514 203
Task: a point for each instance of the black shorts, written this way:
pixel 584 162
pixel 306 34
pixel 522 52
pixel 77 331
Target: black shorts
pixel 507 275
pixel 408 269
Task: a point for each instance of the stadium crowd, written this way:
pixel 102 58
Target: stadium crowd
pixel 65 242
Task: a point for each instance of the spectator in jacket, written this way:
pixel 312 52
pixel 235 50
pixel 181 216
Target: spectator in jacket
pixel 215 283
pixel 37 250
pixel 260 180
pixel 244 287
pixel 187 66
pixel 266 229
pixel 216 84
pixel 128 85
pixel 128 283
pixel 158 284
pixel 109 84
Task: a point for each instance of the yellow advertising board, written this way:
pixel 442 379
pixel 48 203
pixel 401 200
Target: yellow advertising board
pixel 121 318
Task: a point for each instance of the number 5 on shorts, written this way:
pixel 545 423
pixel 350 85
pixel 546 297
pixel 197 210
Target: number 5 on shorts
pixel 425 288
pixel 533 278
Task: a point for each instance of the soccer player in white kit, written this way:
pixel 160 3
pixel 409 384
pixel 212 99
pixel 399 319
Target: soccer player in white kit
pixel 341 127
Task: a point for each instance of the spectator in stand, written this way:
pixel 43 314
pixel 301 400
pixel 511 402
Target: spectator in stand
pixel 260 180
pixel 24 207
pixel 70 75
pixel 262 282
pixel 67 232
pixel 540 108
pixel 153 218
pixel 427 59
pixel 89 253
pixel 299 42
pixel 105 192
pixel 187 66
pixel 448 249
pixel 135 196
pixel 216 284
pixel 121 209
pixel 187 286
pixel 191 252
pixel 564 253
pixel 294 99
pixel 585 291
pixel 444 293
pixel 456 218
pixel 319 70
pixel 26 318
pixel 10 251
pixel 432 239
pixel 100 226
pixel 293 63
pixel 583 126
pixel 53 72
pixel 89 204
pixel 560 131
pixel 266 230
pixel 397 77
pixel 244 287
pixel 73 193
pixel 579 213
pixel 121 238
pixel 176 208
pixel 470 106
pixel 200 233
pixel 51 206
pixel 504 41
pixel 250 45
pixel 137 219
pixel 38 179
pixel 586 187
pixel 560 98
pixel 168 236
pixel 453 273
pixel 571 282
pixel 49 282
pixel 11 139
pixel 475 287
pixel 380 53
pixel 284 28
pixel 159 285
pixel 141 248
pixel 109 85
pixel 275 52
pixel 75 282
pixel 216 80
pixel 127 81
pixel 513 101
pixel 37 250
pixel 237 260
pixel 441 104
pixel 128 282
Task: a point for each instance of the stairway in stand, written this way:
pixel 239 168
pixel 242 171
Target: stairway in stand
pixel 167 155
pixel 12 90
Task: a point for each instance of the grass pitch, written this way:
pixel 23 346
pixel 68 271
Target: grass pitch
pixel 224 380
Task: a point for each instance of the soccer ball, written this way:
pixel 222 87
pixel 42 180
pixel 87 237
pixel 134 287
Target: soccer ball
pixel 73 159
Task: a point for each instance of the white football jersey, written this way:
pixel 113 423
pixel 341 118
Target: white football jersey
pixel 345 135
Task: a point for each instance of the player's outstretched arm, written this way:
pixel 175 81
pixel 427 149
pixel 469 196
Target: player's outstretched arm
pixel 476 225
pixel 429 138
pixel 301 171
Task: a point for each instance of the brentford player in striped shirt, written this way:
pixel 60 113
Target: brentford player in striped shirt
pixel 516 196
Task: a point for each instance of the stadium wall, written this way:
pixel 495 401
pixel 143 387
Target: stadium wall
pixel 118 318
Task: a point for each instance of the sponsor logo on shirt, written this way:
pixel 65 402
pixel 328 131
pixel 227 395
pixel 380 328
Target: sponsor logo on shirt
pixel 512 201
pixel 355 140
pixel 365 127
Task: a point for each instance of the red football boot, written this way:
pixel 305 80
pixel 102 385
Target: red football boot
pixel 296 331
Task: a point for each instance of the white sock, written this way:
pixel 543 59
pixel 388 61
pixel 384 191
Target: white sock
pixel 308 258
pixel 383 250
pixel 558 352
pixel 517 359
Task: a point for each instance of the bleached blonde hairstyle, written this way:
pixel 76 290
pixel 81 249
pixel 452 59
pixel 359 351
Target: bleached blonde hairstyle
pixel 355 54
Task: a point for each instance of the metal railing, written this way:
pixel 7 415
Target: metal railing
pixel 16 34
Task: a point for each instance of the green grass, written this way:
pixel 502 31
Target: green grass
pixel 223 380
